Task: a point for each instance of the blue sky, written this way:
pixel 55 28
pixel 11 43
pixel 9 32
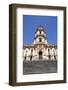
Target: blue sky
pixel 31 23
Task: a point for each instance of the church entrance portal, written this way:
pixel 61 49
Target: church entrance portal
pixel 40 54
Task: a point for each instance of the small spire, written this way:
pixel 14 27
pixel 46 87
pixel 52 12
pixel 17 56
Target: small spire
pixel 40 27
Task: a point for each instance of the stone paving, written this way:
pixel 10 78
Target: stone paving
pixel 40 67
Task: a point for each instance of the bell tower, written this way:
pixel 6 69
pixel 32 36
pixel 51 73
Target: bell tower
pixel 40 36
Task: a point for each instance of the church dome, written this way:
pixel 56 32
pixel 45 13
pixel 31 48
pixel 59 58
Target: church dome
pixel 40 28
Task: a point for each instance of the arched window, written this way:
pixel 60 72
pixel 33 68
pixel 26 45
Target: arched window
pixel 40 40
pixel 25 57
pixel 53 51
pixel 26 51
pixel 48 50
pixel 30 57
pixel 31 50
pixel 55 57
pixel 40 32
pixel 49 57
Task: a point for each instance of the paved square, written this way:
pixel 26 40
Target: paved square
pixel 39 67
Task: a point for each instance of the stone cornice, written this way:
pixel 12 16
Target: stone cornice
pixel 40 30
pixel 35 45
pixel 39 36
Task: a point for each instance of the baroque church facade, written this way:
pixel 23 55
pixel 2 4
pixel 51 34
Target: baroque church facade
pixel 40 49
